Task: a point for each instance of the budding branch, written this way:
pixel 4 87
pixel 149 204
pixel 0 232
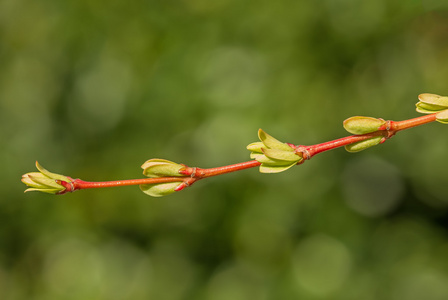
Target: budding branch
pixel 193 174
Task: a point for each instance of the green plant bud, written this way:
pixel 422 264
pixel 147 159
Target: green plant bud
pixel 431 103
pixel 159 189
pixel 44 181
pixel 442 117
pixel 272 143
pixel 161 168
pixel 41 183
pixel 425 108
pixel 359 146
pixel 273 155
pixel 433 99
pixel 362 125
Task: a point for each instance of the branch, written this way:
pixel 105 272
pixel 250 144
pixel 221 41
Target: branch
pixel 270 155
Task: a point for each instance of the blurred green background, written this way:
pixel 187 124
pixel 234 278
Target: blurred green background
pixel 92 89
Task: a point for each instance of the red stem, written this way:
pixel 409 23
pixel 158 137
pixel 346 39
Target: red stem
pixel 191 175
pixel 203 173
pixel 388 130
pixel 78 184
pixel 406 124
pixel 310 151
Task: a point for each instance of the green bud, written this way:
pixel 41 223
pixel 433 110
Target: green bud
pixel 433 99
pixel 161 168
pixel 273 155
pixel 362 125
pixel 159 189
pixel 44 181
pixel 442 117
pixel 425 108
pixel 431 103
pixel 359 146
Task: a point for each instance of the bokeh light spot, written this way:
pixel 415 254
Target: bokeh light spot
pixel 321 265
pixel 372 186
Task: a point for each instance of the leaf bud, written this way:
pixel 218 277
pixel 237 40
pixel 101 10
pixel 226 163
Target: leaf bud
pixel 159 189
pixel 45 181
pixel 161 168
pixel 362 145
pixel 431 103
pixel 273 155
pixel 362 125
pixel 433 99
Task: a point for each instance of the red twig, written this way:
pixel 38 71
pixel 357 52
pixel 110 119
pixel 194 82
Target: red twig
pixel 203 173
pixel 78 184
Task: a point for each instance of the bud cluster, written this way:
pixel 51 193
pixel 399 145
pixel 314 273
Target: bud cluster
pixel 45 181
pixel 156 168
pixel 432 103
pixel 363 125
pixel 273 155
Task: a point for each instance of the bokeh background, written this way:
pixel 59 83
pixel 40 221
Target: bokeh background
pixel 93 88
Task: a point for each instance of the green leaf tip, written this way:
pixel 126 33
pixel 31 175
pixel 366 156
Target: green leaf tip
pixel 44 181
pixel 362 125
pixel 271 142
pixel 274 156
